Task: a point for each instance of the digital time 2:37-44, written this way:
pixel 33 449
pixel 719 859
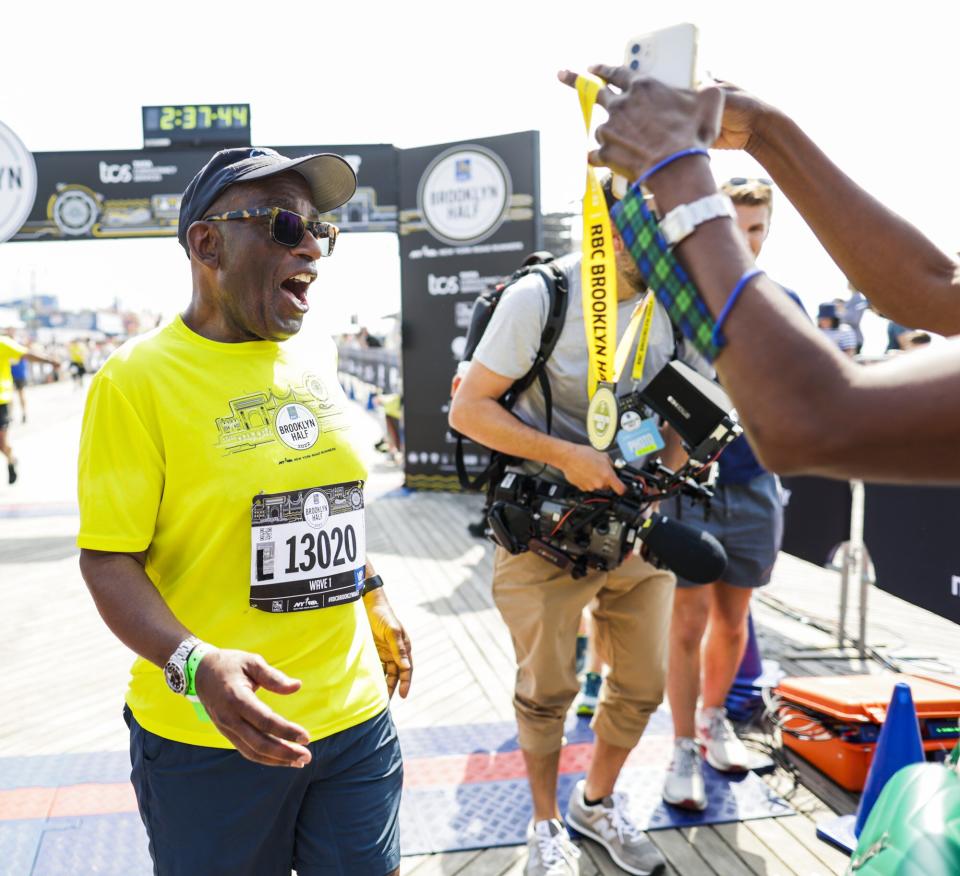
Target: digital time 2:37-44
pixel 203 117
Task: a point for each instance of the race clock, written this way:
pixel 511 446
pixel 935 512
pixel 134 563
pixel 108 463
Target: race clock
pixel 197 124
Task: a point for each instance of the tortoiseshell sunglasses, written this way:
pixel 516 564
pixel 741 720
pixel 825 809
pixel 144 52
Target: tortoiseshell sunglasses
pixel 286 227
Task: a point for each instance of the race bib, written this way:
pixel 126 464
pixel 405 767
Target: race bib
pixel 307 548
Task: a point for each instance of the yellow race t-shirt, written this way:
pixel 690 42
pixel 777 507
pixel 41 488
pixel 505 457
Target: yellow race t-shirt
pixel 231 465
pixel 10 352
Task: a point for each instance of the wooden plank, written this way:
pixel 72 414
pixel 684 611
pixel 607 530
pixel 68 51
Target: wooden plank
pixel 409 864
pixel 447 864
pixel 681 854
pixel 494 862
pixel 804 828
pixel 713 849
pixel 752 851
pixel 773 834
pixel 465 638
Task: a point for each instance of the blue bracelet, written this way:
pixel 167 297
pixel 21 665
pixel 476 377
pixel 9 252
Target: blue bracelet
pixel 669 160
pixel 718 339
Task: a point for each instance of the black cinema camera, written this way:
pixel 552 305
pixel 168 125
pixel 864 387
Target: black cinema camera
pixel 580 531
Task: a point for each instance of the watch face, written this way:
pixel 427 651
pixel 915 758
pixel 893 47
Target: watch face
pixel 175 678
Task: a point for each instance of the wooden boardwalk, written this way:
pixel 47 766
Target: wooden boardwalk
pixel 65 674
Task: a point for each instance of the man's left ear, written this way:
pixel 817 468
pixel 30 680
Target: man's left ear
pixel 617 240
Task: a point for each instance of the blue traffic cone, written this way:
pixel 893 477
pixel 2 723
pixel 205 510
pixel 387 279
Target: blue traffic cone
pixel 899 745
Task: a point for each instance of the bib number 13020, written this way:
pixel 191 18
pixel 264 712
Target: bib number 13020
pixel 307 548
pixel 324 551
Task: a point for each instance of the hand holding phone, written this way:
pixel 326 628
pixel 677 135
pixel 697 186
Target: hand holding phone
pixel 669 56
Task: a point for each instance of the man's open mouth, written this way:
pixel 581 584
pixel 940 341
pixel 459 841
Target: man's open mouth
pixel 298 284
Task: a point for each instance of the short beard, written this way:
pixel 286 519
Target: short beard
pixel 628 271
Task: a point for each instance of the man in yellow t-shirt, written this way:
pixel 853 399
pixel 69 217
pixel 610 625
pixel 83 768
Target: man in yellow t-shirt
pixel 223 540
pixel 10 352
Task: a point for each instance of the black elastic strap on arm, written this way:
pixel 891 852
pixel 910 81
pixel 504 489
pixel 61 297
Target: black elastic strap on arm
pixel 374 582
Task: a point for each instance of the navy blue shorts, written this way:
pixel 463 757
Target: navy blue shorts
pixel 211 811
pixel 747 519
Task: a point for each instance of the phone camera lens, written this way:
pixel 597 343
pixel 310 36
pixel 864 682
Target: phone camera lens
pixel 635 48
pixel 634 65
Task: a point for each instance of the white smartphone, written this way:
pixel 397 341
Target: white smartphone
pixel 668 55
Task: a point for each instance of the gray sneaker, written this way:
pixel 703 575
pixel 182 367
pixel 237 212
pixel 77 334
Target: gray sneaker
pixel 550 852
pixel 609 824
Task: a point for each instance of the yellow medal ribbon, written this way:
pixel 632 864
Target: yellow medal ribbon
pixel 603 412
pixel 598 270
pixel 642 315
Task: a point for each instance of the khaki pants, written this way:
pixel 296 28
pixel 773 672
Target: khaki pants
pixel 541 606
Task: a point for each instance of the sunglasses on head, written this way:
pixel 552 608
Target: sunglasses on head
pixel 286 227
pixel 746 180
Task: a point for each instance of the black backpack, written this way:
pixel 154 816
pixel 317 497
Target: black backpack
pixel 542 263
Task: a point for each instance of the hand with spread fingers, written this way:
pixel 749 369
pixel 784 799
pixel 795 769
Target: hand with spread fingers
pixel 649 120
pixel 392 641
pixel 227 681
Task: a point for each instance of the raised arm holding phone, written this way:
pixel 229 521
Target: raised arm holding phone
pixel 805 406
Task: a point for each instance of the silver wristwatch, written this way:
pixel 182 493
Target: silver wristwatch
pixel 681 221
pixel 174 672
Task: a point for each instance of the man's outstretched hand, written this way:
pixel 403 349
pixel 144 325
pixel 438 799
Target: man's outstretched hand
pixel 647 120
pixel 226 683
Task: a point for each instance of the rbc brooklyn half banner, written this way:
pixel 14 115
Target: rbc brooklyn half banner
pixel 469 213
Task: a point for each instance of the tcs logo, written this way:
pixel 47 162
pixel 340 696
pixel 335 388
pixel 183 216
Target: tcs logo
pixel 115 173
pixel 443 285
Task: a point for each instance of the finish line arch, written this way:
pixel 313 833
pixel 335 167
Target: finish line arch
pixel 465 212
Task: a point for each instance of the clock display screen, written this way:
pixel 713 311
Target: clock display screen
pixel 222 123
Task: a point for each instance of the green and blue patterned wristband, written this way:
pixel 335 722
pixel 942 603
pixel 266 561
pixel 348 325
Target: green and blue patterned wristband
pixel 664 274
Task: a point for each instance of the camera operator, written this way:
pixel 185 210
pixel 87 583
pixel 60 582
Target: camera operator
pixel 805 406
pixel 541 603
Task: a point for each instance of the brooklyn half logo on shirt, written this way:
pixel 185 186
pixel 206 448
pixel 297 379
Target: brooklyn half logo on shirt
pixel 296 418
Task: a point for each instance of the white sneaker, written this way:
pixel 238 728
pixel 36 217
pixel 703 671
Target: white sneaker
pixel 721 747
pixel 550 851
pixel 683 785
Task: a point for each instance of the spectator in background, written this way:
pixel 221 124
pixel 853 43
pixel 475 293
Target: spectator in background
pixel 894 332
pixel 18 371
pixel 838 333
pixel 78 361
pixel 852 310
pixel 368 340
pixel 913 339
pixel 746 517
pixel 11 351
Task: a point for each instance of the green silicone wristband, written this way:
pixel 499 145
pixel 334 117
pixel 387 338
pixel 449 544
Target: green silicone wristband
pixel 190 671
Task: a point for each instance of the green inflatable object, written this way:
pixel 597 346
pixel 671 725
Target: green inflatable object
pixel 914 827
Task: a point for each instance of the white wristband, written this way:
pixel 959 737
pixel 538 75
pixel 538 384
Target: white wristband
pixel 683 219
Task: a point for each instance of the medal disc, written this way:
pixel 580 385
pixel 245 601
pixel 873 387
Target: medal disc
pixel 602 417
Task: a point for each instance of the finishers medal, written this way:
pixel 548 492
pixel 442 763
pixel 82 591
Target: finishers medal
pixel 602 417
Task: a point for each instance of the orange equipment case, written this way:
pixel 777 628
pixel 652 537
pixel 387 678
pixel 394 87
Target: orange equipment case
pixel 844 714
